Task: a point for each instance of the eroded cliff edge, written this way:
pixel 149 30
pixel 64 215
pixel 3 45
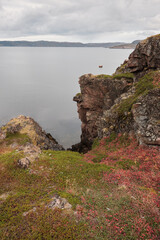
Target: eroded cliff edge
pixel 126 102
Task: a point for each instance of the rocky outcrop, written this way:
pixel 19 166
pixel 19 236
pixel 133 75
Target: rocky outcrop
pixel 98 94
pixel 146 55
pixel 25 136
pixel 123 102
pixel 115 120
pixel 23 163
pixel 146 114
pixel 26 125
pixel 58 202
pixel 31 154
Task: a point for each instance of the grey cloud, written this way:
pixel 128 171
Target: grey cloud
pixel 80 18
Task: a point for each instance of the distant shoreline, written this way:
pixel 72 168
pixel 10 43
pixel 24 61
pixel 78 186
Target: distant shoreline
pixel 61 44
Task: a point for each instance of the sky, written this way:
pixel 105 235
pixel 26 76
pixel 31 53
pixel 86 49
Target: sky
pixel 79 20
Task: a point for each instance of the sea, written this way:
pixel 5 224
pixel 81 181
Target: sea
pixel 41 83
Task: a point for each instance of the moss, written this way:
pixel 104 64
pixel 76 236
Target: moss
pixel 78 94
pixel 142 87
pixel 127 75
pixel 18 137
pixel 123 75
pixel 72 199
pixel 122 67
pixel 103 76
pixel 117 76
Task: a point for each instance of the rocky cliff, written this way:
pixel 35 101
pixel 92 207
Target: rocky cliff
pixel 126 102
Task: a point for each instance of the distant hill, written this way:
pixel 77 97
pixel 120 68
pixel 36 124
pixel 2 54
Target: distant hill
pixel 126 45
pixel 55 44
pixel 107 45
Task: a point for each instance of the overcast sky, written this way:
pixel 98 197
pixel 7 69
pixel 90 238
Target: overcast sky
pixel 79 20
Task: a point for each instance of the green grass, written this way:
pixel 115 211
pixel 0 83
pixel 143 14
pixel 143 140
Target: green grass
pixel 116 76
pixel 123 75
pixel 64 173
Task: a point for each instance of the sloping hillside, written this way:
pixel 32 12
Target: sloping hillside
pixel 109 193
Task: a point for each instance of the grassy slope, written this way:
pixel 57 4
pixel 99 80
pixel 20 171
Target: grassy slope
pixel 113 190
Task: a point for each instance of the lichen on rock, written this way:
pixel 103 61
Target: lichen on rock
pixel 58 202
pixel 27 126
pixel 146 113
pixel 25 136
pixel 146 55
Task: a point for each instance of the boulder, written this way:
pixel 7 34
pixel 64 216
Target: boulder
pixel 58 202
pixel 23 163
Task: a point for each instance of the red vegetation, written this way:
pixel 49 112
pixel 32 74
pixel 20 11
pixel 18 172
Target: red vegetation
pixel 133 183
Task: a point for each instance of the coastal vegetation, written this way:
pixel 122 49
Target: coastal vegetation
pixel 116 76
pixel 113 190
pixel 123 75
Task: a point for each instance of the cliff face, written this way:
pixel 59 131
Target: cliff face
pixel 146 114
pixel 126 102
pixel 98 93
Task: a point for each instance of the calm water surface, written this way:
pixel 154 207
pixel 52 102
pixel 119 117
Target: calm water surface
pixel 41 83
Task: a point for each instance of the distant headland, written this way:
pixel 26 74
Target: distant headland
pixel 66 44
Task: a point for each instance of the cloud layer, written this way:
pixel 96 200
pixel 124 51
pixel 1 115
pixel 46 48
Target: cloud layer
pixel 83 20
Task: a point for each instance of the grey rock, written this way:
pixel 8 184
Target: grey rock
pixel 23 163
pixel 30 211
pixel 148 133
pixel 58 202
